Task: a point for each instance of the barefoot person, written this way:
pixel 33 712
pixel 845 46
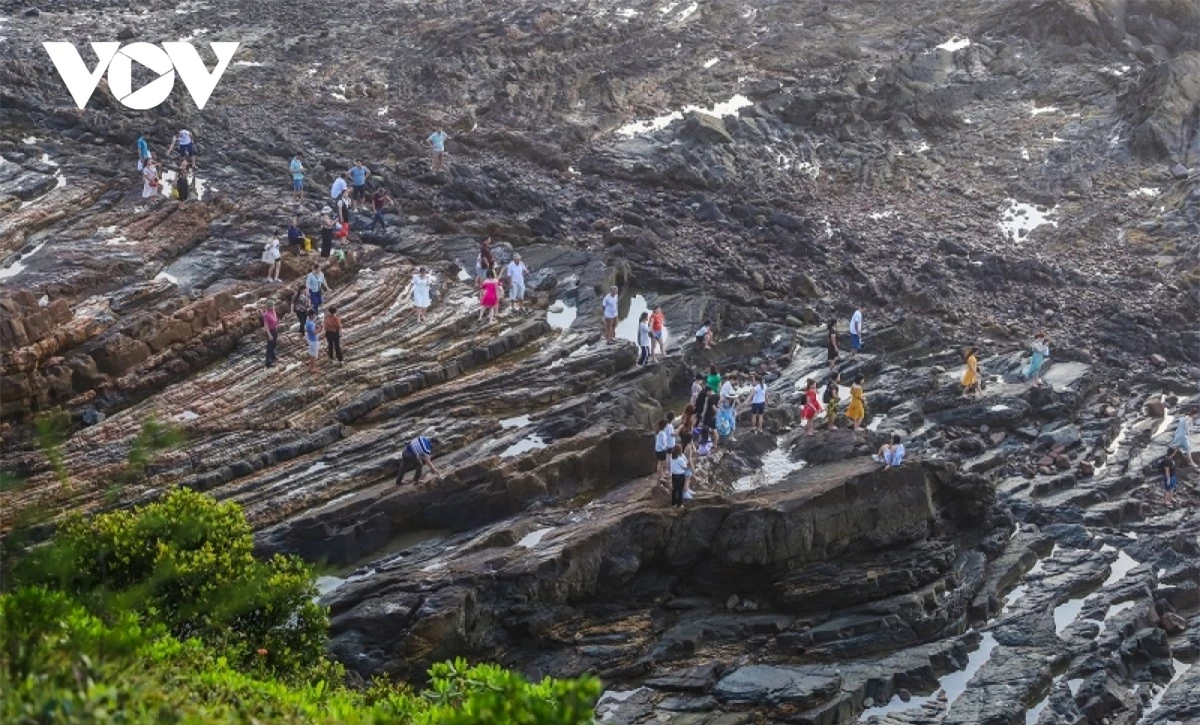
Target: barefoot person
pixel 417 453
pixel 812 406
pixel 1041 351
pixel 296 169
pixel 516 271
pixel 857 410
pixel 437 140
pixel 664 441
pixel 610 304
pixel 271 257
pixel 421 284
pixel 489 297
pixel 970 376
pixel 758 403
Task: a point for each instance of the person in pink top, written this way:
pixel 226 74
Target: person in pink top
pixel 489 296
pixel 271 325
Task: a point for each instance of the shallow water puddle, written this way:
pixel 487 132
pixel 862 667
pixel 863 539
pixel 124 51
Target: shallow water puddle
pixel 611 700
pixel 519 421
pixel 1018 219
pixel 19 265
pixel 533 538
pixel 531 442
pixel 1181 668
pixel 724 108
pixel 1067 612
pixel 775 467
pixel 561 315
pixel 954 44
pixel 1120 567
pixel 953 684
pixel 196 188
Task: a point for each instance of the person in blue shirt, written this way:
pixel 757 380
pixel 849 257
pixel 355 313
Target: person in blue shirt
pixel 417 454
pixel 295 236
pixel 438 141
pixel 311 332
pixel 891 455
pixel 358 178
pixel 296 168
pixel 143 151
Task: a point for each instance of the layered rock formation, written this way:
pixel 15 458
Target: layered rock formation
pixel 966 174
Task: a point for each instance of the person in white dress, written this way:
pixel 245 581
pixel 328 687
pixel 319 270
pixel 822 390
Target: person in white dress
pixel 149 179
pixel 271 257
pixel 421 284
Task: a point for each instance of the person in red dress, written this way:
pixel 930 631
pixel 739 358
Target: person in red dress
pixel 489 296
pixel 812 406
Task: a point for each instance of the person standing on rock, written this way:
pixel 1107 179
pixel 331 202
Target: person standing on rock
pixel 315 282
pixel 704 336
pixel 643 339
pixel 516 271
pixel 1170 480
pixel 271 257
pixel 271 327
pixel 327 224
pixel 187 146
pixel 758 403
pixel 489 297
pixel 312 330
pixel 437 140
pixel 611 305
pixel 149 179
pixel 379 200
pixel 856 321
pixel 970 376
pixel 658 334
pixel 484 263
pixel 421 284
pixel 417 453
pixel 832 398
pixel 811 407
pixel 143 151
pixel 679 471
pixel 343 209
pixel 301 305
pixel 713 381
pixel 1182 441
pixel 338 188
pixel 296 168
pixel 333 335
pixel 1041 351
pixel 729 396
pixel 697 387
pixel 358 178
pixel 831 345
pixel 664 441
pixel 183 182
pixel 857 410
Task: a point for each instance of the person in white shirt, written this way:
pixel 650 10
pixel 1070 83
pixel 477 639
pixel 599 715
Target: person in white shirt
pixel 611 304
pixel 338 188
pixel 758 403
pixel 664 441
pixel 856 332
pixel 271 257
pixel 728 394
pixel 891 455
pixel 704 336
pixel 679 474
pixel 516 271
pixel 643 339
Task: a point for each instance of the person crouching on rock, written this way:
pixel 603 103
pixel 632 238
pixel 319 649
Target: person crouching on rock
pixel 970 377
pixel 891 455
pixel 664 441
pixel 679 470
pixel 857 410
pixel 812 406
pixel 417 454
pixel 832 398
pixel 704 336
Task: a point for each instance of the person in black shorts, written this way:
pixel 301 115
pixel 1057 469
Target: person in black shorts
pixel 1170 480
pixel 831 342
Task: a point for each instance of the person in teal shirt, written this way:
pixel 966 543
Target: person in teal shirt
pixel 438 141
pixel 297 169
pixel 358 180
pixel 143 151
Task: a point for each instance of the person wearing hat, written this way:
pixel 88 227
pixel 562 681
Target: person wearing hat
pixel 417 454
pixel 516 271
pixel 611 303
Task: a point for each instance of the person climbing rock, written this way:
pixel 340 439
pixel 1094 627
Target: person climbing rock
pixel 610 305
pixel 516 271
pixel 484 262
pixel 296 168
pixel 643 339
pixel 301 305
pixel 186 144
pixel 489 297
pixel 312 330
pixel 831 345
pixel 857 410
pixel 970 376
pixel 271 258
pixel 333 334
pixel 758 403
pixel 143 151
pixel 315 282
pixel 417 454
pixel 856 321
pixel 891 455
pixel 679 471
pixel 358 180
pixel 437 140
pixel 811 407
pixel 1170 479
pixel 338 188
pixel 1182 441
pixel 421 287
pixel 832 398
pixel 704 336
pixel 379 200
pixel 658 334
pixel 271 327
pixel 1041 351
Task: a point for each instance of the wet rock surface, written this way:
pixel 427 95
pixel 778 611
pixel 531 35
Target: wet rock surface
pixel 967 173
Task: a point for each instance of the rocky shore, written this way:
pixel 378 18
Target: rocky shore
pixel 966 173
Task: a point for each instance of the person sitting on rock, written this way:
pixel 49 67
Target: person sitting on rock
pixel 417 454
pixel 295 236
pixel 891 455
pixel 704 336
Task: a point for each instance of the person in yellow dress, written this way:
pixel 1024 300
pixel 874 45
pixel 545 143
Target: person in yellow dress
pixel 857 409
pixel 970 378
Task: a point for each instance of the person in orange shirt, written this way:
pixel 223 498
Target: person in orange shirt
pixel 333 334
pixel 658 323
